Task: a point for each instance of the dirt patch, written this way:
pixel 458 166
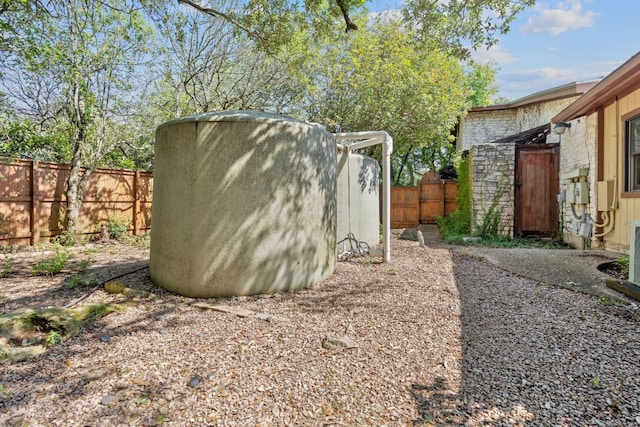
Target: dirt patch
pixel 27 284
pixel 614 270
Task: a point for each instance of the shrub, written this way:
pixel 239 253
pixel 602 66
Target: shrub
pixel 117 226
pixel 52 265
pixel 459 222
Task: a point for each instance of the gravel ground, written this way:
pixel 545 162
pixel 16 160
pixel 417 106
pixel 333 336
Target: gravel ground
pixel 439 340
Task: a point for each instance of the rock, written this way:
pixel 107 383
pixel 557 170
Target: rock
pixel 420 238
pixel 137 293
pixel 470 239
pixel 114 287
pixel 164 331
pixel 240 312
pixel 105 338
pixel 107 399
pixel 335 342
pixel 264 316
pixel 193 382
pixel 356 310
pixel 409 234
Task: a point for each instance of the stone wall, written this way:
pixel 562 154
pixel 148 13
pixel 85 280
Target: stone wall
pixel 534 115
pixel 480 127
pixel 492 169
pixel 483 126
pixel 578 150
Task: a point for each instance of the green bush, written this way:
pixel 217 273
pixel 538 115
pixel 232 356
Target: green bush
pixel 117 226
pixel 458 223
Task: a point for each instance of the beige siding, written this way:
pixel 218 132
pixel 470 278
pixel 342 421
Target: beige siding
pixel 613 168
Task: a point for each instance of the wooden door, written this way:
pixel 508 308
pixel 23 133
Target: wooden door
pixel 537 168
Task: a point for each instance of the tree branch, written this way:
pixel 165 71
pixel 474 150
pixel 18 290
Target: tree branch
pixel 347 20
pixel 217 13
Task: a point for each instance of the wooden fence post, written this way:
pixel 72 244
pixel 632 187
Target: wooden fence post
pixel 136 201
pixel 444 201
pixel 34 217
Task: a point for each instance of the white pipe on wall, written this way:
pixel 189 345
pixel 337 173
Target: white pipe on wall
pixel 367 139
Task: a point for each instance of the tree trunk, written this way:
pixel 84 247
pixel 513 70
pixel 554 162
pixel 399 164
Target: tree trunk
pixel 404 161
pixel 78 176
pixel 76 184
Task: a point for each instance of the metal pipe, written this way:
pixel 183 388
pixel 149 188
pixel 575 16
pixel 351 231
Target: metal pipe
pixel 367 139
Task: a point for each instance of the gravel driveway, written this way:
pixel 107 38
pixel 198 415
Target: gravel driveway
pixel 435 339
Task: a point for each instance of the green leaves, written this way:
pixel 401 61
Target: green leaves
pixel 457 25
pixel 381 79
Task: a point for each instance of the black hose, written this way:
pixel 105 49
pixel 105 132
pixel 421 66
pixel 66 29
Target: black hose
pixel 99 285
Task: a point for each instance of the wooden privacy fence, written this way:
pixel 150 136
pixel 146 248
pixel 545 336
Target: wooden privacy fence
pixel 32 200
pixel 430 199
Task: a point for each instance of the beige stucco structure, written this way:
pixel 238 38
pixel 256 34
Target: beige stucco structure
pixel 244 203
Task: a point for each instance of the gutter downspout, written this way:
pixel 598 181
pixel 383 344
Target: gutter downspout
pixel 367 139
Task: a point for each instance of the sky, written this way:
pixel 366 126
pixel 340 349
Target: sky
pixel 560 42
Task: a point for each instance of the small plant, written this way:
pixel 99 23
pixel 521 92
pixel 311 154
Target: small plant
pixel 6 268
pixel 161 418
pixel 82 265
pixel 53 338
pixel 90 249
pixel 6 392
pixel 142 241
pixel 52 265
pixel 606 301
pixel 68 238
pixel 117 226
pixel 80 280
pixel 489 228
pixel 143 400
pixel 596 382
pixel 623 264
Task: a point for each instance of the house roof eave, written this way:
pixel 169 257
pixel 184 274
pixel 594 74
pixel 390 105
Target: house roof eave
pixel 622 80
pixel 560 92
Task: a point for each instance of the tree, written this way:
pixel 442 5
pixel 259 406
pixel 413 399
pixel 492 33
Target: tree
pixel 459 25
pixel 207 66
pixel 272 22
pixel 482 84
pixel 450 25
pixel 382 80
pixel 87 55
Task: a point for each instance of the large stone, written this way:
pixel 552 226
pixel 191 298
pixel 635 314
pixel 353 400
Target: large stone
pixel 336 342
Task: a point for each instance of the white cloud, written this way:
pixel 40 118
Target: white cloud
pixel 495 55
pixel 517 84
pixel 566 16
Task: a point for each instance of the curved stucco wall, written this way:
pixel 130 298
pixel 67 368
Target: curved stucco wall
pixel 358 198
pixel 244 203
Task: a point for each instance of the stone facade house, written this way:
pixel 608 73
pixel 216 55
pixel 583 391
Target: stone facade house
pixel 600 162
pixel 507 143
